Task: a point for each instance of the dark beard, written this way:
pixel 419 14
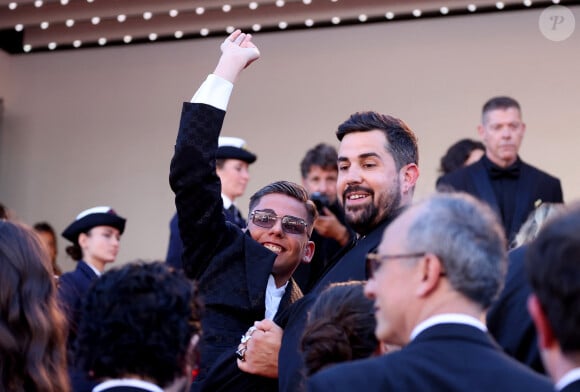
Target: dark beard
pixel 364 219
pixel 361 222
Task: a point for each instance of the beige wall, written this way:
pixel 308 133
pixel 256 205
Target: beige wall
pixel 91 127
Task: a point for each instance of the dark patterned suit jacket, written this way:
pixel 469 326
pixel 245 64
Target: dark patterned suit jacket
pixel 175 248
pixel 231 268
pixel 445 357
pixel 533 185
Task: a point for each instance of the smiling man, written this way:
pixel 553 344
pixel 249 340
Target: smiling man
pixel 242 276
pixel 510 186
pixel 377 173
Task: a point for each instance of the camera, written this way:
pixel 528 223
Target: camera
pixel 320 200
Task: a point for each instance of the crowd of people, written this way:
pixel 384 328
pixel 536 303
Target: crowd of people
pixel 340 283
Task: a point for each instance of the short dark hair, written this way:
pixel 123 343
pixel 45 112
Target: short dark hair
pixel 341 327
pixel 138 319
pixel 323 155
pixel 458 153
pixel 292 190
pixel 501 103
pixel 553 268
pixel 402 142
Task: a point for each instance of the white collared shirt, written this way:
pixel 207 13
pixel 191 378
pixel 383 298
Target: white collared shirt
pixel 273 297
pixel 568 378
pixel 127 382
pixel 214 91
pixel 455 318
pixel 227 201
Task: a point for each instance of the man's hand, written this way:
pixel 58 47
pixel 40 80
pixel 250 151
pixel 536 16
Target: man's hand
pixel 329 226
pixel 261 354
pixel 238 51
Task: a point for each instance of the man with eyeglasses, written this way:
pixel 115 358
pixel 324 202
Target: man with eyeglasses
pixel 242 276
pixel 510 186
pixel 438 267
pixel 553 270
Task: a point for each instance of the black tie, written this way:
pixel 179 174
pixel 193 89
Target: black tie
pixel 509 172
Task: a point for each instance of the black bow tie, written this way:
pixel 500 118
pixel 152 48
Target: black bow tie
pixel 509 172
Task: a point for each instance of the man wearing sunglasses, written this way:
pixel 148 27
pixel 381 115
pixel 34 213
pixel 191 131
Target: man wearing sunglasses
pixel 437 269
pixel 242 276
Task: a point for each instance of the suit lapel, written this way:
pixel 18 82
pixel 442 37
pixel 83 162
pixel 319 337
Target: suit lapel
pixel 291 295
pixel 483 186
pixel 523 197
pixel 259 263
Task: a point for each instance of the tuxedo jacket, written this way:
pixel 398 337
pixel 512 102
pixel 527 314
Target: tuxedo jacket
pixel 573 387
pixel 307 274
pixel 445 357
pixel 533 185
pixel 508 319
pixel 231 269
pixel 349 264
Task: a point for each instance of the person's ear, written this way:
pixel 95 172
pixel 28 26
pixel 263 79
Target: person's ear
pixel 83 239
pixel 546 338
pixel 308 252
pixel 409 176
pixel 430 272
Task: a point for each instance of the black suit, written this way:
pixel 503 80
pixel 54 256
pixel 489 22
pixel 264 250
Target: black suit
pixel 349 264
pixel 532 185
pixel 231 268
pixel 307 274
pixel 445 357
pixel 572 387
pixel 508 319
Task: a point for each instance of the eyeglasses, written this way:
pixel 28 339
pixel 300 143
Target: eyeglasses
pixel 290 224
pixel 374 260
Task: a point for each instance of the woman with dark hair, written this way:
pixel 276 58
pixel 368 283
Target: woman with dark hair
pixel 95 235
pixel 341 327
pixel 32 327
pixel 462 153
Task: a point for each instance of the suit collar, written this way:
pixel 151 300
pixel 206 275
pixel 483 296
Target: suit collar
pixel 456 318
pixel 455 331
pixel 87 269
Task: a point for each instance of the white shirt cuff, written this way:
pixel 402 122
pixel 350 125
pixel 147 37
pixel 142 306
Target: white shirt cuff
pixel 214 91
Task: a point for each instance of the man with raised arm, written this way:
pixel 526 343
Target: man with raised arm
pixel 242 276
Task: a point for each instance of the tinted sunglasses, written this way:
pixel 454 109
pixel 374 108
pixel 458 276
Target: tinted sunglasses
pixel 267 219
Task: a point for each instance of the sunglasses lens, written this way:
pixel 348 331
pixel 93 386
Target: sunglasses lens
pixel 263 219
pixel 292 225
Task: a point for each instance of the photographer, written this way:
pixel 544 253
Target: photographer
pixel 319 172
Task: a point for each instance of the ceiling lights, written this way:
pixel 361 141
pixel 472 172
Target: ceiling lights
pixel 65 24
